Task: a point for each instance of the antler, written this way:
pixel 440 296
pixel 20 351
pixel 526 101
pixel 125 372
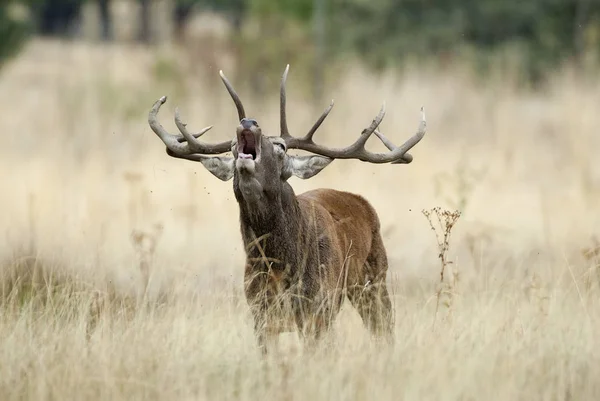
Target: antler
pixel 187 143
pixel 236 99
pixel 285 134
pixel 397 154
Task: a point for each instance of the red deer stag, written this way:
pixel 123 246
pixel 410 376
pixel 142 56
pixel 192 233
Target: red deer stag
pixel 303 253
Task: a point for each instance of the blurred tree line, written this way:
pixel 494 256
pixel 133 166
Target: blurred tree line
pixel 13 31
pixel 384 33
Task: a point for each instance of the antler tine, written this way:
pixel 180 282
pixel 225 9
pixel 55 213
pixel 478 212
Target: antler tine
pixel 180 138
pixel 317 124
pixel 197 146
pixel 388 144
pixel 412 141
pixel 234 96
pixel 396 154
pixel 367 132
pixel 285 134
pixel 175 143
pixel 169 140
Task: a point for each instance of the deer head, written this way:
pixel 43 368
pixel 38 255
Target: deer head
pixel 260 163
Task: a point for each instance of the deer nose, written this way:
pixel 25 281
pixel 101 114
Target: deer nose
pixel 247 123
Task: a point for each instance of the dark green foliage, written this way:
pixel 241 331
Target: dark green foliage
pixel 539 34
pixel 296 9
pixel 12 33
pixel 55 17
pixel 386 31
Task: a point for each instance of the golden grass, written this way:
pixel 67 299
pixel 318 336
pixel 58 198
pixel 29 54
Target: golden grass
pixel 82 177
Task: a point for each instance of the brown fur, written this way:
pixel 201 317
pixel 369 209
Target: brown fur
pixel 306 252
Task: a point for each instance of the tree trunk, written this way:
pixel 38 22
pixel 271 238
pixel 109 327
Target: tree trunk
pixel 106 27
pixel 145 35
pixel 580 23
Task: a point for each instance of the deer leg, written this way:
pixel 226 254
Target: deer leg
pixel 260 331
pixel 272 338
pixel 305 323
pixel 255 288
pixel 267 337
pixel 370 296
pixel 312 326
pixel 373 304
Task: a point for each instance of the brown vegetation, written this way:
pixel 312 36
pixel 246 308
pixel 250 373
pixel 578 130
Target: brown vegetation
pixel 80 172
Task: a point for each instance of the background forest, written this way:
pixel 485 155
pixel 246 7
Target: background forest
pixel 533 36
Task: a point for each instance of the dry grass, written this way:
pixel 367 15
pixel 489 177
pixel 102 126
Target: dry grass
pixel 122 267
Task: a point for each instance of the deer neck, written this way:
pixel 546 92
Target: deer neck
pixel 271 224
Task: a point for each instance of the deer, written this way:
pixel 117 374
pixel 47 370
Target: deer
pixel 306 253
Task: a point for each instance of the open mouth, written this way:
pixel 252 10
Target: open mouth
pixel 247 145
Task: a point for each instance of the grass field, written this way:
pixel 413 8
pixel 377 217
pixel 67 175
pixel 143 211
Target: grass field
pixel 122 268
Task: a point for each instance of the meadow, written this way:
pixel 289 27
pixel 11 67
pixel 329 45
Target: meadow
pixel 122 267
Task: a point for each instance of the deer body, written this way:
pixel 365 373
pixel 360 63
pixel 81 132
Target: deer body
pixel 326 244
pixel 305 253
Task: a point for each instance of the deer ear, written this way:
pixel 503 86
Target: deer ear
pixel 220 167
pixel 304 166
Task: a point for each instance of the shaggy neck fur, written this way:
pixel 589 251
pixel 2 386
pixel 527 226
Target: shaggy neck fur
pixel 271 226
